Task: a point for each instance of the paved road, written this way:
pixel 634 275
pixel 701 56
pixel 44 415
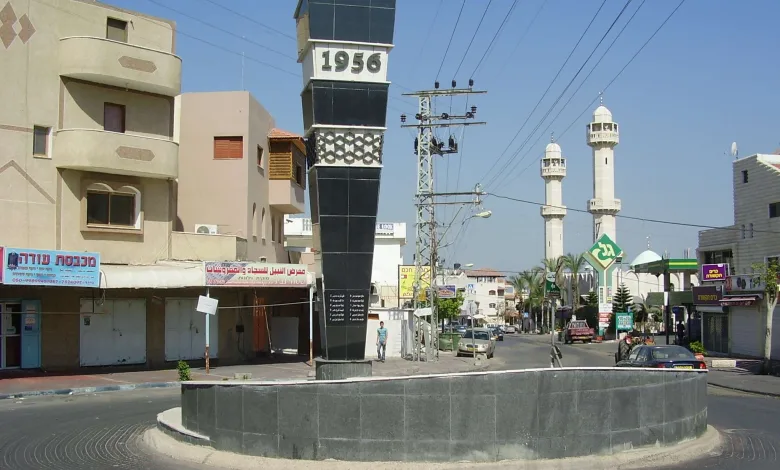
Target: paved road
pixel 101 431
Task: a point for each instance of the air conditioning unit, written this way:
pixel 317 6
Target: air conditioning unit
pixel 206 229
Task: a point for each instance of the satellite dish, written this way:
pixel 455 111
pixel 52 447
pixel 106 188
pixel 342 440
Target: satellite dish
pixel 734 149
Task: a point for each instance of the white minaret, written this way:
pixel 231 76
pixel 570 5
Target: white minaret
pixel 603 136
pixel 553 171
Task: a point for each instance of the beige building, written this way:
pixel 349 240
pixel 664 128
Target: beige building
pixel 97 268
pixel 239 175
pixel 738 326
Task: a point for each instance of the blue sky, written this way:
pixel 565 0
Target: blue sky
pixel 707 79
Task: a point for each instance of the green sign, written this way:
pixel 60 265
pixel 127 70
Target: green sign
pixel 551 289
pixel 605 251
pixel 624 321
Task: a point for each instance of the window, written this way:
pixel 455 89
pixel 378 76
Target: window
pixel 492 305
pixel 262 224
pixel 744 176
pixel 116 30
pixel 114 117
pixel 299 174
pixel 228 148
pixel 260 156
pixel 273 228
pixel 109 207
pixel 743 231
pixel 774 210
pixel 750 230
pixel 41 141
pixel 492 292
pixel 500 292
pixel 254 221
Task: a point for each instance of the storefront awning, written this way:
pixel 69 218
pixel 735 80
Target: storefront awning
pixel 738 300
pixel 162 275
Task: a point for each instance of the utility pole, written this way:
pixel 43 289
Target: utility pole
pixel 426 146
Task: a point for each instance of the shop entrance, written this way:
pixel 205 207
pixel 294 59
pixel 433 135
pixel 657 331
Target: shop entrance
pixel 10 335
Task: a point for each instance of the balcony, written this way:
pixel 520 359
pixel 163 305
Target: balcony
pixel 603 137
pixel 119 64
pixel 286 196
pixel 604 206
pixel 553 211
pixel 553 170
pixel 186 246
pixel 115 153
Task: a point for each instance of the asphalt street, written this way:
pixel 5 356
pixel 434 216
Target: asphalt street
pixel 102 431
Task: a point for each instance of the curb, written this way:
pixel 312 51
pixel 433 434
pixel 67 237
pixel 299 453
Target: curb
pixel 745 390
pixel 83 390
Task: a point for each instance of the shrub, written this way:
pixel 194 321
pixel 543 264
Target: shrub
pixel 696 347
pixel 184 371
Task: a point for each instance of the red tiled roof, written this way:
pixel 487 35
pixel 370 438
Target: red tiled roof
pixel 483 272
pixel 282 134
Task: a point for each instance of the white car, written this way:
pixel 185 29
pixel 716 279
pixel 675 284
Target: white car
pixel 510 329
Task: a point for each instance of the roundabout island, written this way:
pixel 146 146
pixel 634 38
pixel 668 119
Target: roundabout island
pixel 520 416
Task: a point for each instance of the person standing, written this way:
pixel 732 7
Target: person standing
pixel 680 332
pixel 381 341
pixel 624 348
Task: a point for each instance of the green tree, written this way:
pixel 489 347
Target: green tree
pixel 593 300
pixel 621 303
pixel 766 273
pixel 574 262
pixel 449 308
pixel 520 283
pixel 643 313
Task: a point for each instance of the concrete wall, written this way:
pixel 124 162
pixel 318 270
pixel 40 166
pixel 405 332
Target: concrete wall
pixel 488 416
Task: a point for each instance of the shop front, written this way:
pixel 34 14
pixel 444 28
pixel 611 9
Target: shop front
pixel 714 318
pixel 25 274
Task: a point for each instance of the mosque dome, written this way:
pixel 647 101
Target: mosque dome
pixel 552 150
pixel 602 114
pixel 647 256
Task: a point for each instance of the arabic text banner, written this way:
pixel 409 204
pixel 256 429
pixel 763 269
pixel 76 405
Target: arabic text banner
pixel 406 281
pixel 249 274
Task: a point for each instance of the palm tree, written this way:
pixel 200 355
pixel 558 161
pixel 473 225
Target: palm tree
pixel 643 313
pixel 574 262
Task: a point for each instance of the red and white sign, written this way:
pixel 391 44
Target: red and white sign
pixel 249 274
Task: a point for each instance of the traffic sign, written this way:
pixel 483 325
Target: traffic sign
pixel 624 321
pixel 605 252
pixel 550 277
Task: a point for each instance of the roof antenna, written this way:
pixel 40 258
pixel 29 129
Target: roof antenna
pixel 552 137
pixel 648 242
pixel 601 98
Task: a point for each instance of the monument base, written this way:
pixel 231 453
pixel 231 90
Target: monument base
pixel 339 370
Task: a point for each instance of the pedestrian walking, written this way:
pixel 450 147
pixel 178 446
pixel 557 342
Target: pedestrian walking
pixel 680 332
pixel 381 341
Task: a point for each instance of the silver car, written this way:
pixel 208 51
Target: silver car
pixel 479 340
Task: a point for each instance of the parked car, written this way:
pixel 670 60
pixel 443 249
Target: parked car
pixel 666 357
pixel 510 329
pixel 461 329
pixel 479 340
pixel 498 334
pixel 578 330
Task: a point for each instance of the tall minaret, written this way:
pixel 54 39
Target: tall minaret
pixel 603 136
pixel 553 171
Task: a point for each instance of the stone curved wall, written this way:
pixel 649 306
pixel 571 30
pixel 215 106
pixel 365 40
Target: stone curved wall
pixel 488 416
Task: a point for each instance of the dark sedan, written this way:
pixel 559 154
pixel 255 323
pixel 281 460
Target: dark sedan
pixel 665 357
pixel 497 333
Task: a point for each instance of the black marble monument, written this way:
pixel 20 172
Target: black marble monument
pixel 343 46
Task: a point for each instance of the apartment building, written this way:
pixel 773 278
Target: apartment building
pixel 253 173
pixel 735 323
pixel 484 288
pixel 93 271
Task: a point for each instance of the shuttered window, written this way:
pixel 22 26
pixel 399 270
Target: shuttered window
pixel 228 148
pixel 116 30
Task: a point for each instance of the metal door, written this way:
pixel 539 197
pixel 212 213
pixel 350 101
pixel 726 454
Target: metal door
pixel 747 337
pixel 129 325
pixel 113 332
pixel 716 332
pixel 185 331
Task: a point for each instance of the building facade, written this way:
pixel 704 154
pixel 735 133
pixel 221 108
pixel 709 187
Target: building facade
pixel 94 272
pixel 737 323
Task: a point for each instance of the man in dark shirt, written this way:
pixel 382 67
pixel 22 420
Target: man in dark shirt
pixel 624 348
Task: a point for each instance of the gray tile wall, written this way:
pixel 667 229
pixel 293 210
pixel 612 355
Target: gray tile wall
pixel 478 417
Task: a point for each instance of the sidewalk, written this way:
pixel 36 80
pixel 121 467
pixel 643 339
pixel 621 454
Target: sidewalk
pixel 19 387
pixel 741 375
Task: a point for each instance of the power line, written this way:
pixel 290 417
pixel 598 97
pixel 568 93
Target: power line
pixel 508 176
pixel 522 36
pixel 640 219
pixel 450 42
pixel 495 36
pixel 546 91
pixel 636 54
pixel 468 48
pixel 558 99
pixel 223 30
pixel 252 20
